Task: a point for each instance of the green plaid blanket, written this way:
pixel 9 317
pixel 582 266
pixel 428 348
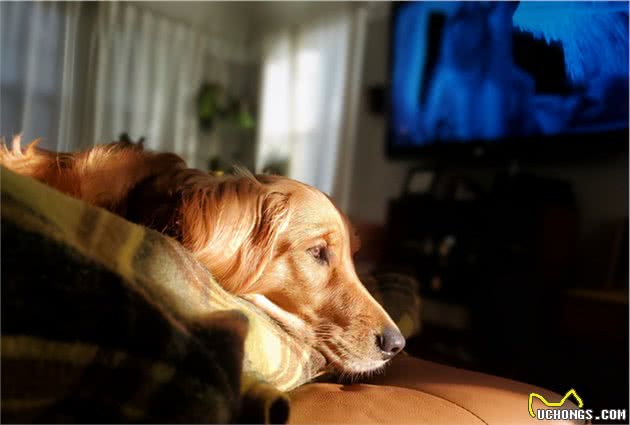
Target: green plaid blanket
pixel 98 305
pixel 107 321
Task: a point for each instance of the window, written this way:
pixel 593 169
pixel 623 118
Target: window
pixel 305 74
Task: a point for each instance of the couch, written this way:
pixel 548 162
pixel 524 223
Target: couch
pixel 107 321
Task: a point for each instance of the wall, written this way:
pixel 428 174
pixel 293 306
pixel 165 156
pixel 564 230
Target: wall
pixel 229 20
pixel 272 15
pixel 246 20
pixel 601 189
pixel 376 180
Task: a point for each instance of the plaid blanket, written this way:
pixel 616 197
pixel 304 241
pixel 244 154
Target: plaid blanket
pixel 87 294
pixel 104 320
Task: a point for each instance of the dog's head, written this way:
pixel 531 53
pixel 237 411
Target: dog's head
pixel 287 248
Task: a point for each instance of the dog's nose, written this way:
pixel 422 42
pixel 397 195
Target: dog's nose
pixel 391 342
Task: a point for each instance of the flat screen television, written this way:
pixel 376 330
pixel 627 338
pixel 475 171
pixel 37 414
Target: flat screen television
pixel 473 77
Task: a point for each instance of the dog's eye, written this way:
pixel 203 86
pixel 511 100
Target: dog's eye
pixel 320 253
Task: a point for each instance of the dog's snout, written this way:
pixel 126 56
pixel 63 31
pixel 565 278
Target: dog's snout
pixel 390 342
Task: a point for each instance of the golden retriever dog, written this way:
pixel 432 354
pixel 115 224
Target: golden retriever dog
pixel 279 243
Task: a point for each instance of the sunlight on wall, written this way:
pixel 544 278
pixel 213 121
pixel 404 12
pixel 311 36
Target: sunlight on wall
pixel 275 102
pixel 307 81
pixel 304 84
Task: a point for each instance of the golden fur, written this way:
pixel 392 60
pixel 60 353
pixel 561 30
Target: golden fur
pixel 277 242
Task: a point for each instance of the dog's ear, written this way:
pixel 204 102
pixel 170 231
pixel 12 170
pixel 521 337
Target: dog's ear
pixel 271 218
pixel 233 228
pixel 103 175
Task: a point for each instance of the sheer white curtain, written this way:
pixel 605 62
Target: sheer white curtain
pixel 38 84
pixel 76 74
pixel 147 72
pixel 309 100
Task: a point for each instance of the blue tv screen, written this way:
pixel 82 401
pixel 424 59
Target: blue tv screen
pixel 466 72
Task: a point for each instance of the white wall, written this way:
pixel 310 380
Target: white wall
pixel 376 179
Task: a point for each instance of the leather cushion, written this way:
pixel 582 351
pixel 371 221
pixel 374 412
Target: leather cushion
pixel 373 404
pixel 420 392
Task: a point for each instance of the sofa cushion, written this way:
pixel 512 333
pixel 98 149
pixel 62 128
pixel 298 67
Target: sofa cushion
pixel 416 391
pixel 374 404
